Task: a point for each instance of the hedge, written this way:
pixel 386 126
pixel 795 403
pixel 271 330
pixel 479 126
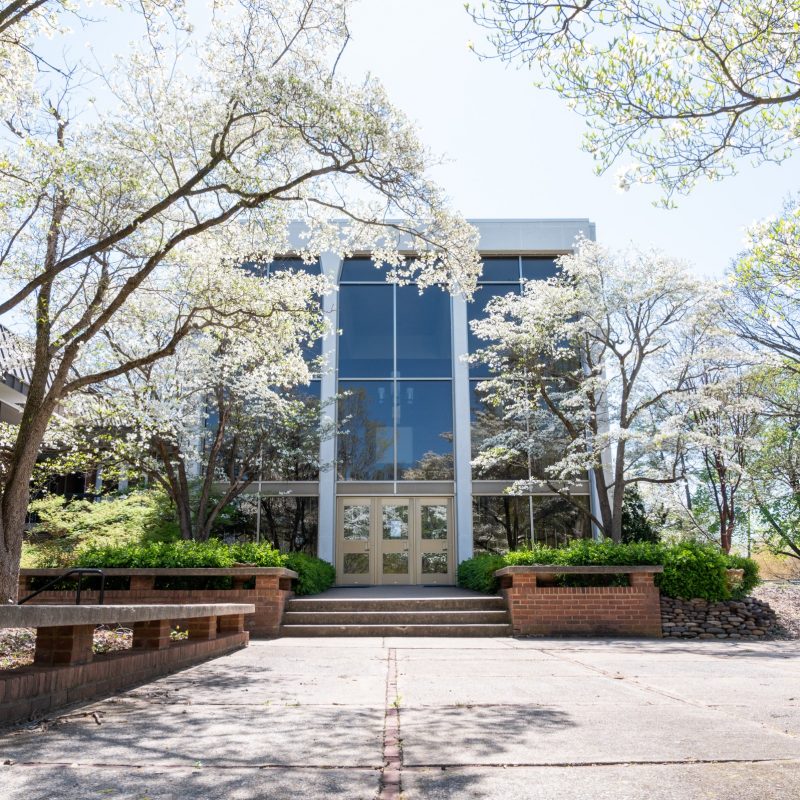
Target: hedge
pixel 690 569
pixel 314 574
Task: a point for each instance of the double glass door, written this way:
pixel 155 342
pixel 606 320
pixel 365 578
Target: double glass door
pixel 394 540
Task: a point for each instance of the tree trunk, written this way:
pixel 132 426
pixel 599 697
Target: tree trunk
pixel 16 494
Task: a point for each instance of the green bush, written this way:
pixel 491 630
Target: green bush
pixel 694 570
pixel 478 573
pixel 690 569
pixel 65 527
pixel 314 574
pixel 750 579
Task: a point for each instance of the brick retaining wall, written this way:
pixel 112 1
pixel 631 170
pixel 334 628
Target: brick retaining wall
pixel 537 610
pixel 34 691
pixel 269 595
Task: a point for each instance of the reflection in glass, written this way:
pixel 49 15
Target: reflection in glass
pixel 356 522
pixel 434 522
pixel 477 310
pixel 290 523
pixel 492 431
pixel 364 450
pixel 366 348
pixel 423 333
pixel 500 269
pixel 434 563
pixel 424 430
pixel 395 563
pixel 291 450
pixel 501 523
pixel 356 563
pixel 557 520
pixel 395 522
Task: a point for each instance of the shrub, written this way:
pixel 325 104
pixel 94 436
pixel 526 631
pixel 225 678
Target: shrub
pixel 690 569
pixel 314 574
pixel 750 579
pixel 65 527
pixel 477 573
pixel 694 570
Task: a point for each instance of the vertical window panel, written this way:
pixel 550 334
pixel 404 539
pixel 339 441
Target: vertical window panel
pixel 477 310
pixel 424 430
pixel 366 442
pixel 366 346
pixel 423 333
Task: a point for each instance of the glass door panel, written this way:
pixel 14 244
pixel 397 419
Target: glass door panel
pixel 434 560
pixel 395 560
pixel 355 541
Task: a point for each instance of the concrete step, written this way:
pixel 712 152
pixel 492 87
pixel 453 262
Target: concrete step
pixel 398 604
pixel 427 617
pixel 396 630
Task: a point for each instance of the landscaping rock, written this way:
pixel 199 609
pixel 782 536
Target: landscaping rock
pixel 732 619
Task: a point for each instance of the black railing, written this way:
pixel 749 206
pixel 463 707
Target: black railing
pixel 80 572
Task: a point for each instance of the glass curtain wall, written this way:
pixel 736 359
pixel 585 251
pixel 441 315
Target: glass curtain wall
pixel 395 379
pixel 504 522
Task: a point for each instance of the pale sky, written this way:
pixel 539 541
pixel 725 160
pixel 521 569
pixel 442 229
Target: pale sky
pixel 514 151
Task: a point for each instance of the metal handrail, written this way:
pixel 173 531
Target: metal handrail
pixel 78 571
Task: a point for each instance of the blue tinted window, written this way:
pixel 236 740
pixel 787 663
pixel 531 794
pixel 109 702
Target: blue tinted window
pixel 477 310
pixel 266 268
pixel 313 390
pixel 500 269
pixel 366 348
pixel 423 333
pixel 424 430
pixel 537 269
pixel 362 270
pixel 283 264
pixel 365 449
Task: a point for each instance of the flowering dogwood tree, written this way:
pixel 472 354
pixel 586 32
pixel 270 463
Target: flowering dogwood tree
pixel 686 88
pixel 597 359
pixel 220 410
pixel 192 157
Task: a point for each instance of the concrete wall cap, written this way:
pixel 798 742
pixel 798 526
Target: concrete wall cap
pixel 242 572
pixel 40 616
pixel 558 569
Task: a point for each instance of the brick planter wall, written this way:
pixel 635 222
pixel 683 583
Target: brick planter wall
pixel 269 595
pixel 537 610
pixel 34 691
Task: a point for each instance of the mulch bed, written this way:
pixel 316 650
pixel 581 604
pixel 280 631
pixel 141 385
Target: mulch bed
pixel 17 644
pixel 784 598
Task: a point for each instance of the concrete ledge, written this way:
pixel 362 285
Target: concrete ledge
pixel 191 572
pixel 51 616
pixel 557 569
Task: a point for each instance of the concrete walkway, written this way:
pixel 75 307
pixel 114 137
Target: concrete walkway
pixel 478 719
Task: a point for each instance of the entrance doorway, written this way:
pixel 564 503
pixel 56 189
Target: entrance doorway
pixel 394 540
